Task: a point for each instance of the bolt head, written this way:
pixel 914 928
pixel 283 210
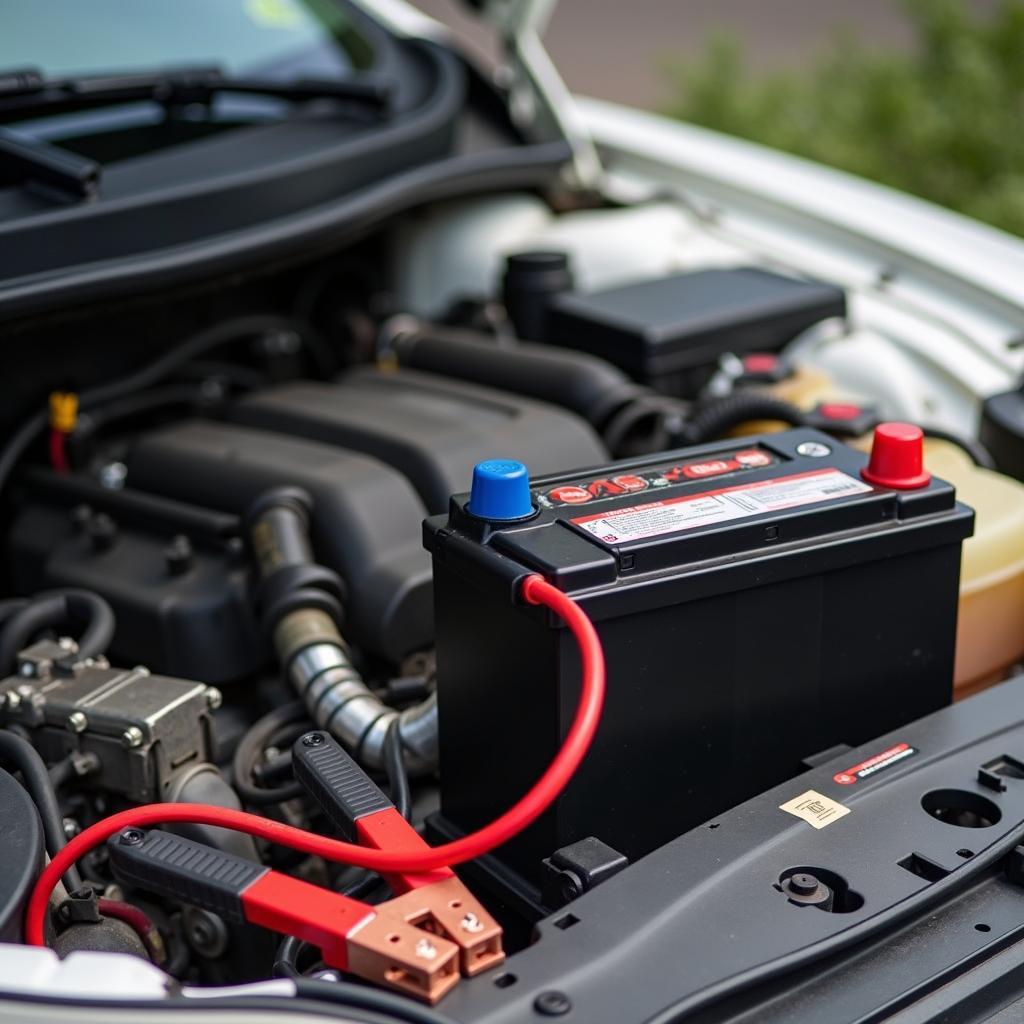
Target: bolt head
pixel 803 884
pixel 178 554
pixel 214 698
pixel 77 722
pixel 132 736
pixel 471 923
pixel 313 739
pixel 13 700
pixel 552 1003
pixel 132 837
pixel 813 450
pixel 426 949
pixel 26 669
pixel 113 476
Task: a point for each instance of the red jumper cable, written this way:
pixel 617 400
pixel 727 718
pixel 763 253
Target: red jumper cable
pixel 535 590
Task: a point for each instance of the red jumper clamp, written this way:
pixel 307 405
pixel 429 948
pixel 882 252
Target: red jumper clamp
pixel 352 936
pixel 435 901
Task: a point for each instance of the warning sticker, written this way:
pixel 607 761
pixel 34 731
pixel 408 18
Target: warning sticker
pixel 815 809
pixel 673 515
pixel 602 489
pixel 885 759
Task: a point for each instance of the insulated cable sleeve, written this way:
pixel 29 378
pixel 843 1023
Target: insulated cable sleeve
pixel 536 591
pixel 19 754
pixel 152 373
pixel 394 768
pixel 58 609
pixel 717 417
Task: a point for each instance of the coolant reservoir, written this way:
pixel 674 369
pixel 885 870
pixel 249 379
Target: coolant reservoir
pixel 990 631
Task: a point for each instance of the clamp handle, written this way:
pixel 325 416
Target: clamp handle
pixel 435 900
pixel 383 948
pixel 171 865
pixel 332 778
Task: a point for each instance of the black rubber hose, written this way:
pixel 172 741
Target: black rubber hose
pixel 251 747
pixel 590 387
pixel 207 785
pixel 22 756
pixel 394 768
pixel 979 454
pixel 286 960
pixel 721 415
pixel 59 608
pixel 154 372
pixel 9 606
pixel 663 417
pixel 362 887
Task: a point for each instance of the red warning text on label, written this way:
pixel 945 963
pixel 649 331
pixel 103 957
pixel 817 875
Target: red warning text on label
pixel 688 512
pixel 874 764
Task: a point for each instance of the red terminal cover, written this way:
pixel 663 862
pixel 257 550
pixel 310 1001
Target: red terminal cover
pixel 897 457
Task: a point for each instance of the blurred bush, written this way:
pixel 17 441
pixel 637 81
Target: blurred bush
pixel 945 121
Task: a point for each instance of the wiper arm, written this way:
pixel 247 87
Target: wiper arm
pixel 27 92
pixel 55 168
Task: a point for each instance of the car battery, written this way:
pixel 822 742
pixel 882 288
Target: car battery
pixel 758 600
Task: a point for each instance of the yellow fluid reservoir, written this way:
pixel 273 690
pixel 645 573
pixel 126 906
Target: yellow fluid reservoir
pixel 807 387
pixel 990 630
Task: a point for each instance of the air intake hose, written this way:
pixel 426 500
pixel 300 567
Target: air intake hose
pixel 721 415
pixel 584 384
pixel 300 605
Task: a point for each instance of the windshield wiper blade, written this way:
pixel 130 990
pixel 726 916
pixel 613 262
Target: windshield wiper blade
pixel 27 92
pixel 41 163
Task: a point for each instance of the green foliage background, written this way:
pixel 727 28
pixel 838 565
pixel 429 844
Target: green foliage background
pixel 945 121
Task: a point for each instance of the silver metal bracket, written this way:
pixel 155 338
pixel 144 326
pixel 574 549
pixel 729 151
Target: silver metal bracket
pixel 539 103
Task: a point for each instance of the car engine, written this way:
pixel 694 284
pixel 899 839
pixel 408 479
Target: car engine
pixel 316 552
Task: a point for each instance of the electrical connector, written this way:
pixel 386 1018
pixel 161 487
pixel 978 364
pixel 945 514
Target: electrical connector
pixel 63 411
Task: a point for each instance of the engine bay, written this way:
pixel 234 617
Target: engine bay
pixel 358 548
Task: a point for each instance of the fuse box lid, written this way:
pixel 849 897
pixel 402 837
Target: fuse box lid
pixel 669 324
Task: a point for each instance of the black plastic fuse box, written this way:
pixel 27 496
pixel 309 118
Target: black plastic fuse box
pixel 758 601
pixel 669 332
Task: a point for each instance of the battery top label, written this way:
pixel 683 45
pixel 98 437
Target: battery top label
pixel 688 512
pixel 589 491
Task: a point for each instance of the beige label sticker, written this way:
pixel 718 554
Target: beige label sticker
pixel 815 809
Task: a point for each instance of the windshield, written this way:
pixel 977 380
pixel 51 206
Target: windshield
pixel 272 37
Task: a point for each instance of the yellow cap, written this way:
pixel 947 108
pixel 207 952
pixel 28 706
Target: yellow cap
pixel 63 411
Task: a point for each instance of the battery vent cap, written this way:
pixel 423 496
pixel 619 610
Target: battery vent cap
pixel 501 491
pixel 897 457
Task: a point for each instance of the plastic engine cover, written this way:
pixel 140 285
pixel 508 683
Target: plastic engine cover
pixel 430 428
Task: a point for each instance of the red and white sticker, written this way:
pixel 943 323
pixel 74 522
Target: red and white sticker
pixel 884 759
pixel 644 479
pixel 674 515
